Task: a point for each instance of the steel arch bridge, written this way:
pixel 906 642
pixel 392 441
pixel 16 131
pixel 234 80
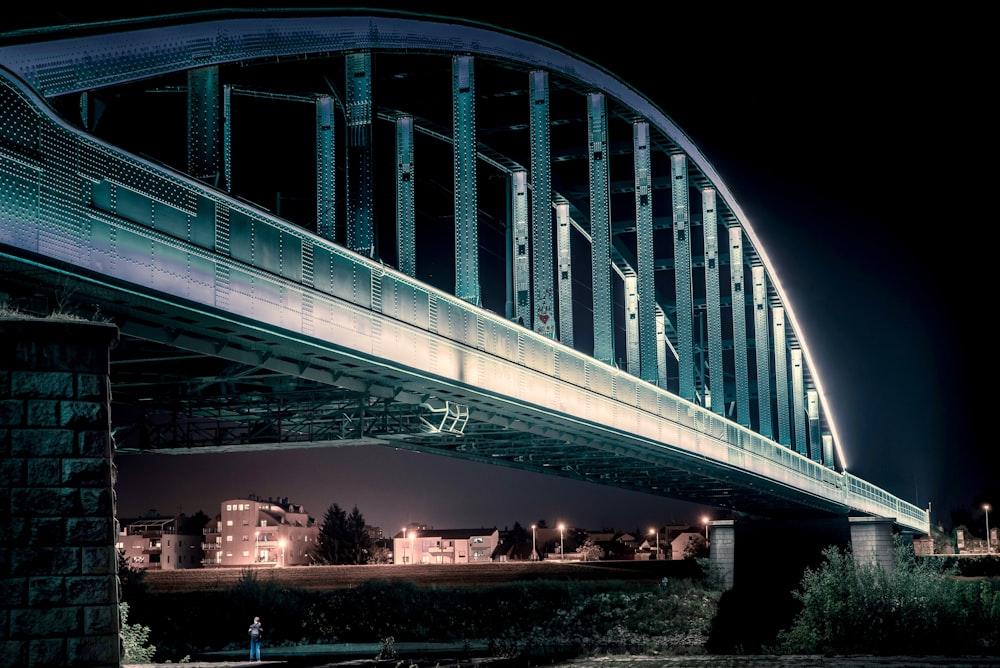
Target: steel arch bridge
pixel 318 228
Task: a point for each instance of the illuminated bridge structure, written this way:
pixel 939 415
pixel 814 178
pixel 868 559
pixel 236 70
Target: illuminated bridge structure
pixel 329 230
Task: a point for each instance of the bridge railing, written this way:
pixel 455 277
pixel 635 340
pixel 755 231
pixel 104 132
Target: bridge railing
pixel 147 226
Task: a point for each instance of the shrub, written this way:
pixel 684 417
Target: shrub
pixel 917 608
pixel 134 640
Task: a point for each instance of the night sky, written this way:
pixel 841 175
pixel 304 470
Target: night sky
pixel 849 142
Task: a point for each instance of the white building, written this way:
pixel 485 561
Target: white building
pixel 160 543
pixel 260 532
pixel 444 546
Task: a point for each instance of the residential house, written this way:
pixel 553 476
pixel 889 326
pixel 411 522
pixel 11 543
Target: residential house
pixel 686 543
pixel 260 532
pixel 160 542
pixel 445 546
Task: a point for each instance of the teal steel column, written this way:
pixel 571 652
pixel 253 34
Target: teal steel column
pixel 466 207
pixel 631 324
pixel 812 412
pixel 715 388
pixel 799 436
pixel 203 124
pixel 406 242
pixel 543 318
pixel 326 174
pixel 645 261
pixel 781 374
pixel 227 138
pixel 684 317
pixel 661 348
pixel 761 341
pixel 522 261
pixel 827 440
pixel 600 229
pixel 739 326
pixel 358 113
pixel 565 276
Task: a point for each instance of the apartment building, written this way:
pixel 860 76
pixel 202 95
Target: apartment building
pixel 444 546
pixel 260 532
pixel 160 542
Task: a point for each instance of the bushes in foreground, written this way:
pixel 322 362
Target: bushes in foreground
pixel 513 619
pixel 920 607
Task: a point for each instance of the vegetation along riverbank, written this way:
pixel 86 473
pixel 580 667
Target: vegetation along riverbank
pixel 923 606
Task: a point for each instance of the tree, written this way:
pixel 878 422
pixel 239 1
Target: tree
pixel 591 551
pixel 343 538
pixel 331 541
pixel 359 540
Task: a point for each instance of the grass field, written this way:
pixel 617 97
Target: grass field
pixel 320 578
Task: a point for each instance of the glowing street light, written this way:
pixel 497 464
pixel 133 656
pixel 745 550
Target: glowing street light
pixel 651 531
pixel 534 554
pixel 704 520
pixel 986 507
pixel 562 552
pixel 281 544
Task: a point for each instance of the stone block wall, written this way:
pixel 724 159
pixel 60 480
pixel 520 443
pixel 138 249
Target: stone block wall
pixel 58 566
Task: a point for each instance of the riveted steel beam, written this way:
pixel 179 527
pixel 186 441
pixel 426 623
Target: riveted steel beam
pixel 715 387
pixel 739 326
pixel 761 339
pixel 466 207
pixel 360 177
pixel 684 316
pixel 600 229
pixel 326 181
pixel 543 318
pixel 406 235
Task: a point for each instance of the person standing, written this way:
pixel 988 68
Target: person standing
pixel 255 631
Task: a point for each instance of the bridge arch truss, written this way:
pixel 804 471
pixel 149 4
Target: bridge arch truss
pixel 536 231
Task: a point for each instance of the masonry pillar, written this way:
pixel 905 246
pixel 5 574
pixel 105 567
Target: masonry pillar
pixel 58 568
pixel 871 541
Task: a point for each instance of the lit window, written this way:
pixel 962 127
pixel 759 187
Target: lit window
pixel 229 538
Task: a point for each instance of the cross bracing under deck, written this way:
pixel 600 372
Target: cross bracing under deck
pixel 191 375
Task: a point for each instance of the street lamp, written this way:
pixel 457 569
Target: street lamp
pixel 281 544
pixel 562 552
pixel 657 542
pixel 534 554
pixel 704 520
pixel 986 507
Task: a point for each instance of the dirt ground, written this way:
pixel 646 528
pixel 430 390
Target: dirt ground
pixel 320 578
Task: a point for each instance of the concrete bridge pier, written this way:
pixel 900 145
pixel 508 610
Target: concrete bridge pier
pixel 785 548
pixel 58 567
pixel 872 541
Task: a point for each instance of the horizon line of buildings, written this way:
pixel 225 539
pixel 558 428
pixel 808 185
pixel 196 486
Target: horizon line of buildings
pixel 258 532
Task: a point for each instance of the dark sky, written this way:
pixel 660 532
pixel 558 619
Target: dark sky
pixel 849 142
